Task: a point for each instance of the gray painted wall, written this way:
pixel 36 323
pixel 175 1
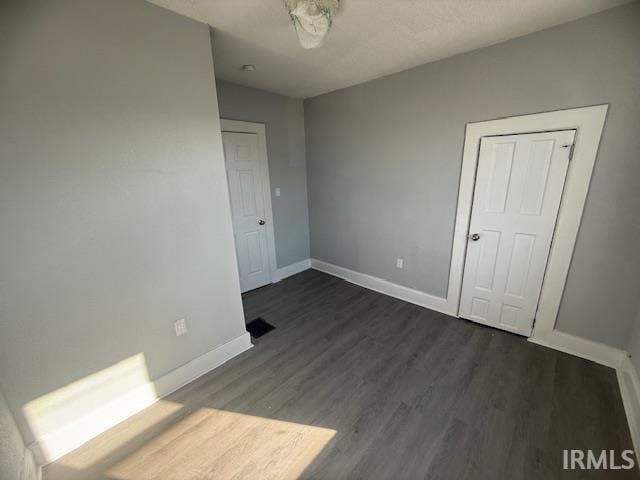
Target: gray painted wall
pixel 284 123
pixel 16 461
pixel 113 197
pixel 384 162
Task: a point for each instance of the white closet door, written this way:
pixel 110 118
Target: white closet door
pixel 517 195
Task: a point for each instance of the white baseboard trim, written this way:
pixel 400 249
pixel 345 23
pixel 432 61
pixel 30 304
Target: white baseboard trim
pixel 630 391
pixel 383 286
pixel 292 269
pixel 53 445
pixel 197 367
pixel 583 348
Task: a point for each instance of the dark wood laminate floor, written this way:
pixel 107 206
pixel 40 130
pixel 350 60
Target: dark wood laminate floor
pixel 355 384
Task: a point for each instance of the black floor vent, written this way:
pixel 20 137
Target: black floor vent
pixel 259 327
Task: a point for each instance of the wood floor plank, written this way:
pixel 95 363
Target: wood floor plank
pixel 355 384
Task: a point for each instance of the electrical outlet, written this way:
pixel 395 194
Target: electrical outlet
pixel 180 327
pixel 277 191
pixel 400 263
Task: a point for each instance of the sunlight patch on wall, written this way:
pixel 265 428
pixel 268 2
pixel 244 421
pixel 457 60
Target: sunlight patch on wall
pixel 69 416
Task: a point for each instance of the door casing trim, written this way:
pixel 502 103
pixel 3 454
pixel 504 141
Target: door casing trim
pixel 237 126
pixel 588 123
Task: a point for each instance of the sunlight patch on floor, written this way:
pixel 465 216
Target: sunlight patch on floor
pixel 118 437
pixel 212 443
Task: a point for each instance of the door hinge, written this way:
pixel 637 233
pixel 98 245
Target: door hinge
pixel 570 146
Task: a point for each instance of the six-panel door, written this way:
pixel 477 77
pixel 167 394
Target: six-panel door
pixel 517 195
pixel 247 207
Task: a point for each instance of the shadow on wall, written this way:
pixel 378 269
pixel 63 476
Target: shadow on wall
pixel 16 460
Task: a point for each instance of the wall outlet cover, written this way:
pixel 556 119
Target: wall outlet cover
pixel 180 327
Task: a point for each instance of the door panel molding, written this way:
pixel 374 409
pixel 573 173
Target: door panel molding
pixel 236 126
pixel 588 123
pixel 513 246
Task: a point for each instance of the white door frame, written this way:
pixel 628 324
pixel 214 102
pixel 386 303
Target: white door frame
pixel 588 123
pixel 236 126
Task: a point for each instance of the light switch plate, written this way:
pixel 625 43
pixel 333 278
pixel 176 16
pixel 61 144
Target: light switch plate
pixel 400 263
pixel 277 191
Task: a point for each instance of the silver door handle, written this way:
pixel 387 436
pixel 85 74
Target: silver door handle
pixel 261 222
pixel 475 237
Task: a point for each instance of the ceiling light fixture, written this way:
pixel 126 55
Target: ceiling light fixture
pixel 312 19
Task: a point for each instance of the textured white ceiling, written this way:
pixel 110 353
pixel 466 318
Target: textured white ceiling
pixel 369 39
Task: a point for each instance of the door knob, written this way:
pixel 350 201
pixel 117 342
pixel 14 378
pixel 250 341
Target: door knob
pixel 261 222
pixel 475 237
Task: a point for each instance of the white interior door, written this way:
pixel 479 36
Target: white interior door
pixel 248 188
pixel 517 195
